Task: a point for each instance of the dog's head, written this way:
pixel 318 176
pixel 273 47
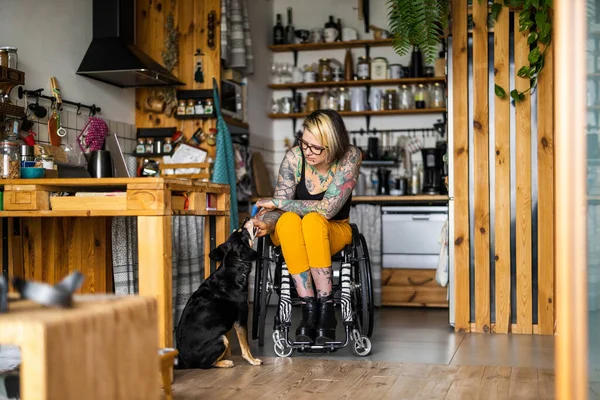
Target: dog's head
pixel 240 242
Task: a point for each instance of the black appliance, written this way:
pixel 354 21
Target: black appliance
pixel 433 167
pixel 113 57
pixel 383 186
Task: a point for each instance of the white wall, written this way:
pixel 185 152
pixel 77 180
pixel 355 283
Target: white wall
pixel 309 14
pixel 52 37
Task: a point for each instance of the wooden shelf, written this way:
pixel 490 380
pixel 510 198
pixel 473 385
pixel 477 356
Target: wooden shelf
pixel 382 82
pixel 365 113
pixel 280 48
pixel 235 122
pixel 195 116
pixel 393 199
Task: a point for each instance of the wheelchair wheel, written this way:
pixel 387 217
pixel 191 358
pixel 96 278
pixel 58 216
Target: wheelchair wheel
pixel 363 289
pixel 263 284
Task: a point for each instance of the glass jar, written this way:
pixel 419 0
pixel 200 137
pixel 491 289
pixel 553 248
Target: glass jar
pixel 420 96
pixel 149 146
pixel 363 68
pixel 329 100
pixel 208 108
pixel 406 101
pixel 325 72
pixel 181 107
pixel 287 104
pixel 12 60
pixel 390 100
pixel 379 67
pixel 47 161
pixel 3 58
pixel 189 110
pixel 199 108
pixel 343 100
pixel 10 167
pixel 141 146
pixel 438 99
pixel 168 146
pixel 312 101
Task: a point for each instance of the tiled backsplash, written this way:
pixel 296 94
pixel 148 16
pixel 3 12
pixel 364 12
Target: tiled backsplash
pixel 74 123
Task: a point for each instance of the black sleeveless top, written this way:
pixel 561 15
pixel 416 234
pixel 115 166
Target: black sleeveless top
pixel 303 194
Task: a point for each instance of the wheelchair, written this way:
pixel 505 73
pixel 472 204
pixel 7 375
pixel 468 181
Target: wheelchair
pixel 352 288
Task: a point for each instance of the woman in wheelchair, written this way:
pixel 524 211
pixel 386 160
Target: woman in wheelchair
pixel 309 216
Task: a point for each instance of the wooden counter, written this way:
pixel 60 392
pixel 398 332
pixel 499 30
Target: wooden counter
pixel 51 236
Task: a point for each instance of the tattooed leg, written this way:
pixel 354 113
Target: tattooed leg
pixel 323 278
pixel 304 284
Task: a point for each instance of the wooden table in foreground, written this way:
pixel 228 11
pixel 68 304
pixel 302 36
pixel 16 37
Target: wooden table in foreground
pixel 48 236
pixel 102 348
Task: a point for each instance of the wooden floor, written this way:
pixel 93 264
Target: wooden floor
pixel 316 378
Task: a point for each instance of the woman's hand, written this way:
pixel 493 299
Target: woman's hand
pixel 267 204
pixel 262 227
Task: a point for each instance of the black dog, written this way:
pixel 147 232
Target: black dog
pixel 219 304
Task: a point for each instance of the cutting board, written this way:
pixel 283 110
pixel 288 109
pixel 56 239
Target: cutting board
pixel 52 129
pixel 262 179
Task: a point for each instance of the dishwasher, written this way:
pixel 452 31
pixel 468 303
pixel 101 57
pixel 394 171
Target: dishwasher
pixel 411 236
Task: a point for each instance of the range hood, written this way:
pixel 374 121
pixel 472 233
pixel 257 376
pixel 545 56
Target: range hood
pixel 113 57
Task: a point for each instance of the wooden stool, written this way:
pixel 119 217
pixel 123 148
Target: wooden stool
pixel 167 361
pixel 102 348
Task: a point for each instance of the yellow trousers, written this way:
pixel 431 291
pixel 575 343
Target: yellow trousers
pixel 309 241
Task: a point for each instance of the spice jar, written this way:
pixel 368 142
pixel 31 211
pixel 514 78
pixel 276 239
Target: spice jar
pixel 9 160
pixel 390 100
pixel 141 146
pixel 11 57
pixel 47 161
pixel 437 96
pixel 363 69
pixel 208 108
pixel 329 100
pixel 406 101
pixel 168 146
pixel 199 108
pixel 189 110
pixel 379 66
pixel 325 72
pixel 181 107
pixel 312 101
pixel 344 100
pixel 420 97
pixel 149 146
pixel 287 104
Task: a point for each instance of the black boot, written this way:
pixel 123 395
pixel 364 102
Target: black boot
pixel 306 330
pixel 326 322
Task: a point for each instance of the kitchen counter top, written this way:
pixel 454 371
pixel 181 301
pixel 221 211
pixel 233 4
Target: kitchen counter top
pixel 424 198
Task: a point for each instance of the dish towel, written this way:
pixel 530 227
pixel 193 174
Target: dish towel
pixel 224 168
pixel 236 41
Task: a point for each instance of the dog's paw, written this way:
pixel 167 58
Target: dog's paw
pixel 254 361
pixel 224 364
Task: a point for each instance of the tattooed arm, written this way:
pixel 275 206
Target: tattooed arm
pixel 289 175
pixel 337 193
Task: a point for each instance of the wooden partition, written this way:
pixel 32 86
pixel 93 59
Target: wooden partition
pixel 503 179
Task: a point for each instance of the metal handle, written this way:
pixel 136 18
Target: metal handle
pixel 420 217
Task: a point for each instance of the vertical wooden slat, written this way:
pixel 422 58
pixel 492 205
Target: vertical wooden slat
pixel 461 165
pixel 502 174
pixel 523 173
pixel 481 172
pixel 545 231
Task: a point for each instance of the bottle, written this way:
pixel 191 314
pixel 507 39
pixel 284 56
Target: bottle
pixel 149 146
pixel 181 107
pixel 278 31
pixel 290 33
pixel 374 182
pixel 141 146
pixel 208 108
pixel 189 110
pixel 339 28
pixel 168 146
pixel 348 66
pixel 199 108
pixel 415 182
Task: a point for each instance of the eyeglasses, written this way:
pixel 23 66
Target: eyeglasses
pixel 316 150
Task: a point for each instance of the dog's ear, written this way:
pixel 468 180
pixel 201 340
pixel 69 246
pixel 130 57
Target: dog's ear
pixel 218 254
pixel 248 254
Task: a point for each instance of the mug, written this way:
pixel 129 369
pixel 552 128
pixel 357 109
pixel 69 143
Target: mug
pixel 330 35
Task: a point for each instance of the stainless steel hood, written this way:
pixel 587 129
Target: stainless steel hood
pixel 113 57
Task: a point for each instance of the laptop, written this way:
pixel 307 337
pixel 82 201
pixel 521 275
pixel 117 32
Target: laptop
pixel 119 164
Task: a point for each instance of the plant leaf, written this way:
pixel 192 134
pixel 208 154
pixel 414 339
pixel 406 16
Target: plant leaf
pixel 533 36
pixel 523 71
pixel 534 55
pixel 541 18
pixel 499 91
pixel 514 94
pixel 545 39
pixel 532 71
pixel 524 16
pixel 521 96
pixel 496 8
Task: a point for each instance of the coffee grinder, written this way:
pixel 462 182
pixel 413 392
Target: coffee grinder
pixel 432 170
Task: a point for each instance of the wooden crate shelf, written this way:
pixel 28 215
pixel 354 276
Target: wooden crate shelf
pixel 368 82
pixel 280 48
pixel 412 288
pixel 366 113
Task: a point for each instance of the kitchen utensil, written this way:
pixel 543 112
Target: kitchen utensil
pixel 55 91
pixel 100 164
pixel 383 178
pixel 53 125
pixel 373 148
pixel 92 135
pixel 37 110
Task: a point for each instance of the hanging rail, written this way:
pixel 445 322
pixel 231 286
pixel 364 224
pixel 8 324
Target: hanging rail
pixel 410 131
pixel 37 94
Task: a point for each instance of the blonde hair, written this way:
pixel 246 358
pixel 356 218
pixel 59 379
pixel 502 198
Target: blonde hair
pixel 329 129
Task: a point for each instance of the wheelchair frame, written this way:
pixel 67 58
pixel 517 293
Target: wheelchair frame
pixel 356 299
